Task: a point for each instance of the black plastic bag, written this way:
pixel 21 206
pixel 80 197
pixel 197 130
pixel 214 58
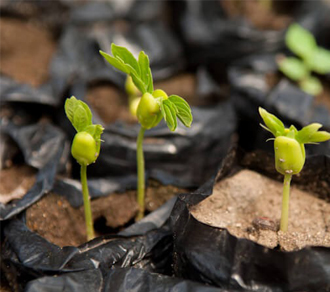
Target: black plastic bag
pixel 146 245
pixel 42 146
pixel 213 256
pixel 211 38
pixel 119 280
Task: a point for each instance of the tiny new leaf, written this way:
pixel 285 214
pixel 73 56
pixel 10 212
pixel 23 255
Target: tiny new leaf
pixel 139 69
pixel 146 75
pixel 273 124
pixel 125 56
pixel 176 107
pixel 78 113
pixel 169 113
pixel 183 110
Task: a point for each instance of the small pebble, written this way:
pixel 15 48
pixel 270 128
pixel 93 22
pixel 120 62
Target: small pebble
pixel 264 223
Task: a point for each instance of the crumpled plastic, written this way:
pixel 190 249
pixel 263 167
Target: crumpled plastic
pixel 119 280
pixel 211 38
pixel 42 146
pixel 145 245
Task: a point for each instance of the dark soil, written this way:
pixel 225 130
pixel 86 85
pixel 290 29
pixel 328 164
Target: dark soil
pixel 15 182
pixel 263 15
pixel 249 206
pixel 56 220
pixel 25 51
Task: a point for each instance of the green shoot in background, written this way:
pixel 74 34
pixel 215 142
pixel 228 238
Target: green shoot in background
pixel 289 147
pixel 312 58
pixel 134 95
pixel 153 106
pixel 85 148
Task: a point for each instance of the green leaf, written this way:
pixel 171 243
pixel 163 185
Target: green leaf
pixel 273 124
pixel 146 76
pixel 183 110
pixel 138 82
pixel 320 136
pixel 300 41
pixel 116 63
pixel 293 68
pixel 311 85
pixel 80 119
pixel 69 107
pixel 305 134
pixel 320 62
pixel 126 56
pixel 78 113
pixel 124 61
pixel 169 112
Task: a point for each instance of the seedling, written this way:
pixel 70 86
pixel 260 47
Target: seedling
pixel 312 58
pixel 289 147
pixel 85 148
pixel 152 108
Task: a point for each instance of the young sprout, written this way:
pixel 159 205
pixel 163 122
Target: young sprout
pixel 134 95
pixel 85 148
pixel 289 147
pixel 153 106
pixel 311 59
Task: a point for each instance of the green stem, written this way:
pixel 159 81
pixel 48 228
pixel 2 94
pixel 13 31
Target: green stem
pixel 140 171
pixel 87 204
pixel 285 203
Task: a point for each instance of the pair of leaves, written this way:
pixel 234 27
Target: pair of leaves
pixel 313 58
pixel 176 107
pixel 308 134
pixel 138 69
pixel 297 70
pixel 301 42
pixel 311 134
pixel 80 117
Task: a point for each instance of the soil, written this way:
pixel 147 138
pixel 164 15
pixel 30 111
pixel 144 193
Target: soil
pixel 183 85
pixel 251 212
pixel 111 105
pixel 25 51
pixel 15 182
pixel 263 15
pixel 64 225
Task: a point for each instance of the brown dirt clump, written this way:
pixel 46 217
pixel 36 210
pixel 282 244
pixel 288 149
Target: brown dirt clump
pixel 25 51
pixel 56 220
pixel 15 182
pixel 249 206
pixel 260 14
pixel 109 104
pixel 183 85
